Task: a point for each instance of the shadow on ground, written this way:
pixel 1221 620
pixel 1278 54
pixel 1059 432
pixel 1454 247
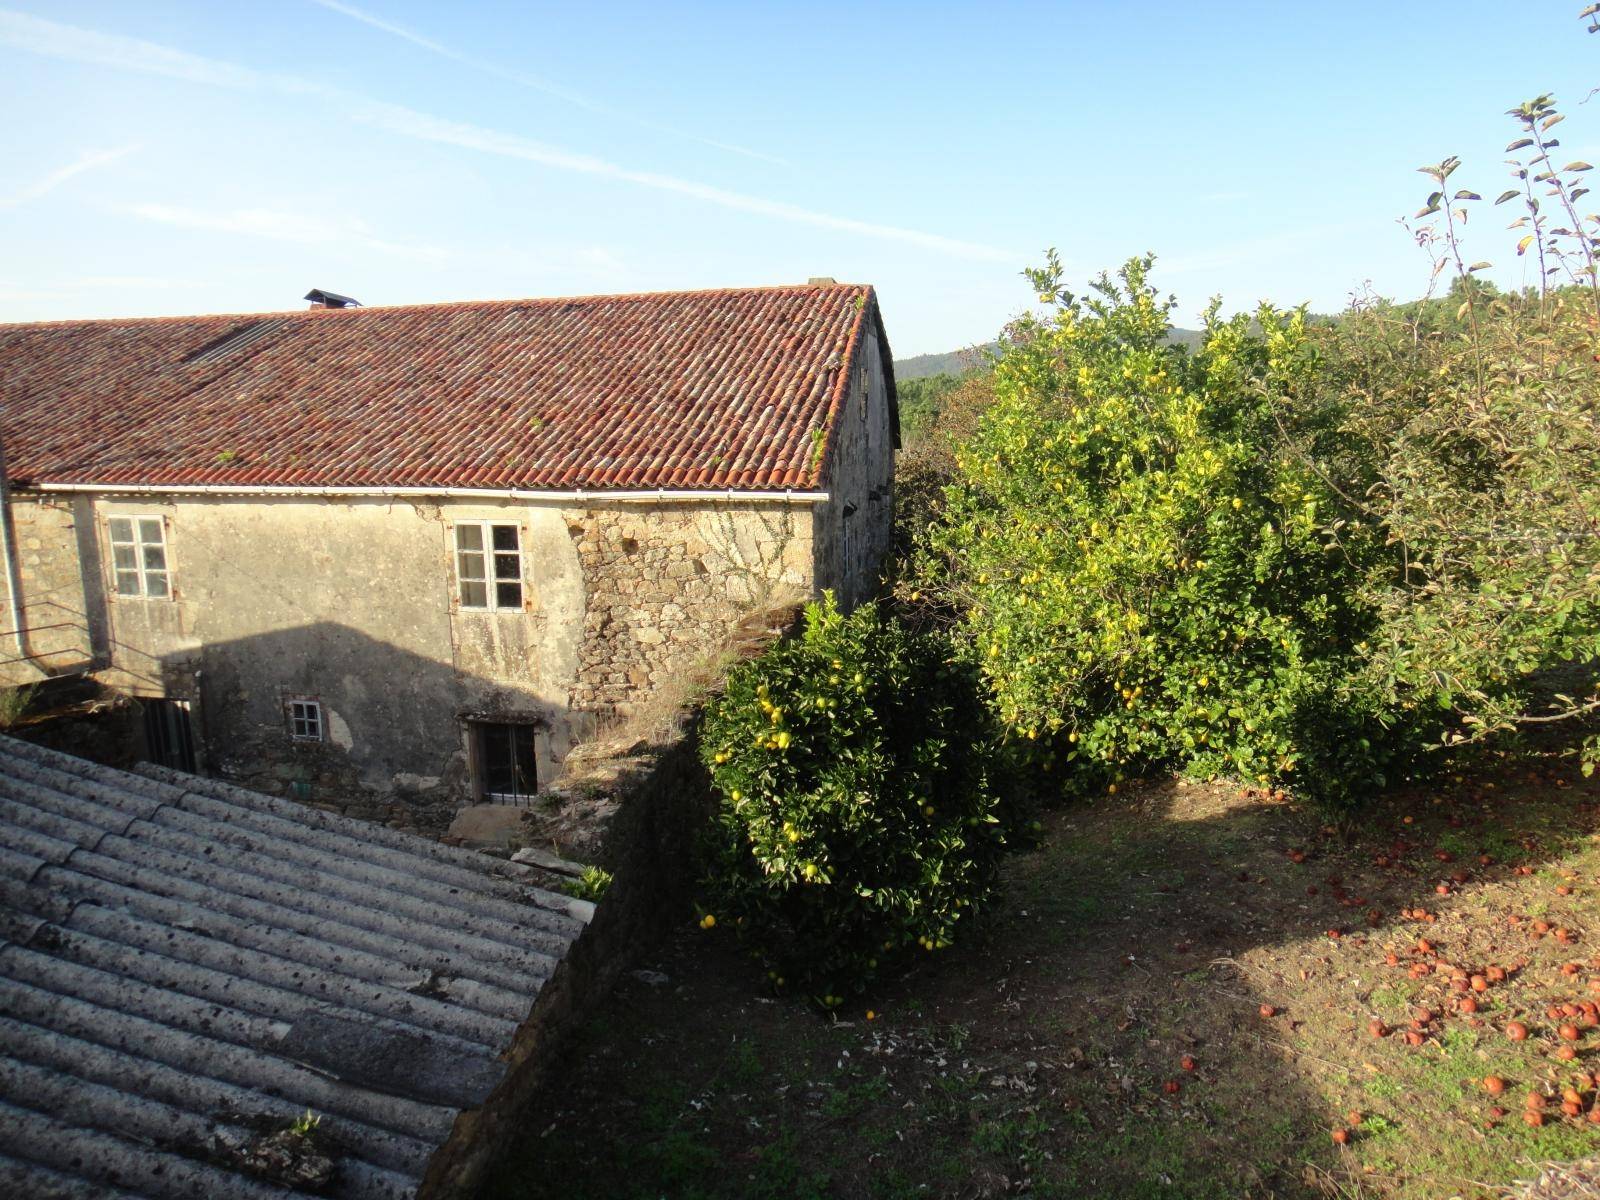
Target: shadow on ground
pixel 1104 1035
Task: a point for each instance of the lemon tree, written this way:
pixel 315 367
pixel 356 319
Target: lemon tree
pixel 1143 573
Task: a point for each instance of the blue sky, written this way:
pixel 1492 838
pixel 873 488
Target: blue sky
pixel 175 156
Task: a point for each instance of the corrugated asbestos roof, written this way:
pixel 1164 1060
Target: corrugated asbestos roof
pixel 186 968
pixel 738 388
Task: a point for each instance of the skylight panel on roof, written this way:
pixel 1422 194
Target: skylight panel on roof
pixel 235 340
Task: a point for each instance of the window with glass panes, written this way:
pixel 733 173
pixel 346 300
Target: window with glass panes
pixel 489 565
pixel 139 557
pixel 305 720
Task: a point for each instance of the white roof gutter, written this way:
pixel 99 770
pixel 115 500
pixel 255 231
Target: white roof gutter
pixel 593 495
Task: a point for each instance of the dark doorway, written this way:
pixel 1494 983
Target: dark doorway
pixel 504 762
pixel 167 736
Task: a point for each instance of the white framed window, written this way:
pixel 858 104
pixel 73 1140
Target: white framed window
pixel 489 566
pixel 305 719
pixel 139 564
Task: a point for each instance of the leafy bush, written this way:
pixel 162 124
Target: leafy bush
pixel 1146 576
pixel 591 885
pixel 859 816
pixel 1474 426
pixel 14 702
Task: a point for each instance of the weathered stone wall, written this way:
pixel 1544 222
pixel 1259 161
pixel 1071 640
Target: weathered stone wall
pixel 53 590
pixel 855 525
pixel 353 603
pixel 666 584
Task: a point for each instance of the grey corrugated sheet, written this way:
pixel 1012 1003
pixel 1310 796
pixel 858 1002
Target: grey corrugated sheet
pixel 186 966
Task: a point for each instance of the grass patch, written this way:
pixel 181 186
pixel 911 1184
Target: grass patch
pixel 1037 1058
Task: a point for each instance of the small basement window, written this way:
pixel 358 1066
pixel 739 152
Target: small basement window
pixel 305 720
pixel 489 566
pixel 503 759
pixel 139 557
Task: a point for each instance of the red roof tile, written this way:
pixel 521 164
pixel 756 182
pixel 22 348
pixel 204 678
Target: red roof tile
pixel 703 390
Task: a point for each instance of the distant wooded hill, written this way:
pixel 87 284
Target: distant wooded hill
pixel 953 362
pixel 956 362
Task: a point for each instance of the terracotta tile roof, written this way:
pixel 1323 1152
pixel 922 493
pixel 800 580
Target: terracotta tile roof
pixel 685 390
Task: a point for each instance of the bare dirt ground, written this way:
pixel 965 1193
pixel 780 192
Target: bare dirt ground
pixel 1186 992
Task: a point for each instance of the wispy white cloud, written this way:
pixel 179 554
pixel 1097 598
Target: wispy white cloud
pixel 535 82
pixel 423 127
pixel 79 45
pixel 55 40
pixel 311 229
pixel 89 160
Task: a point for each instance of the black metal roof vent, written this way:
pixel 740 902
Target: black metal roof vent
pixel 322 299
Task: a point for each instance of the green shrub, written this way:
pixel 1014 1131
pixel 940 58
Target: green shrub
pixel 859 817
pixel 591 885
pixel 1473 440
pixel 1147 577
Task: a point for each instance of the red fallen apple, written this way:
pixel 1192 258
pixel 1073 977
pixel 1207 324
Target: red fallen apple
pixel 1517 1031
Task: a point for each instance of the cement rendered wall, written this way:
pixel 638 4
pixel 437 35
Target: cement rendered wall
pixel 353 603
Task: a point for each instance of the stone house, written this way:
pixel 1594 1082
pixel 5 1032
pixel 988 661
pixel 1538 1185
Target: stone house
pixel 415 553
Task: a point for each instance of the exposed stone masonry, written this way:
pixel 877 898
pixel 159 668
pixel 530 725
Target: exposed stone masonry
pixel 665 586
